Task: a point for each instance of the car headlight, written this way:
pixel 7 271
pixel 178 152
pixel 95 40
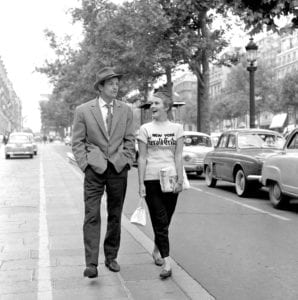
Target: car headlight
pixel 188 156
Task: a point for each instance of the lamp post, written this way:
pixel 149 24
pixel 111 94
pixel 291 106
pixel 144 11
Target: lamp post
pixel 294 6
pixel 251 55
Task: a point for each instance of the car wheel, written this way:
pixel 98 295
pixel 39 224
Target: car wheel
pixel 276 196
pixel 31 155
pixel 241 183
pixel 7 156
pixel 209 179
pixel 35 152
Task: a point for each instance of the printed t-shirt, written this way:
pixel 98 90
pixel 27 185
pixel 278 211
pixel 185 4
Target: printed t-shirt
pixel 161 139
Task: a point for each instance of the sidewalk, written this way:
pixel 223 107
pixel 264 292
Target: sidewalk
pixel 41 245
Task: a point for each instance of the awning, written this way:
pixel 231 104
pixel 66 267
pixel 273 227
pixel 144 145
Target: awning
pixel 278 121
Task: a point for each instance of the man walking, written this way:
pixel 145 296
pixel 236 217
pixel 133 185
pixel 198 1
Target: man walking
pixel 103 144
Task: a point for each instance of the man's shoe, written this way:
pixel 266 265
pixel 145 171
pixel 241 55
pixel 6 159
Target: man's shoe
pixel 112 265
pixel 91 272
pixel 165 274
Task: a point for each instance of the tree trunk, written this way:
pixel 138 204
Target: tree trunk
pixel 199 90
pixel 170 87
pixel 204 101
pixel 146 93
pixel 169 81
pixel 204 105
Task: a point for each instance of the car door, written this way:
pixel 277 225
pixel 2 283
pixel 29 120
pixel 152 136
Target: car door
pixel 219 156
pixel 289 167
pixel 229 158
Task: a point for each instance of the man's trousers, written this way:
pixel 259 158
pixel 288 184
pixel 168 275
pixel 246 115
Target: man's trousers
pixel 94 185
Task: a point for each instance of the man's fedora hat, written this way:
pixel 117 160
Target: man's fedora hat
pixel 104 74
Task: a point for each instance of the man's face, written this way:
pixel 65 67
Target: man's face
pixel 109 89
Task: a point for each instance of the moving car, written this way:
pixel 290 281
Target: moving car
pixel 280 171
pixel 31 137
pixel 239 156
pixel 196 145
pixel 19 144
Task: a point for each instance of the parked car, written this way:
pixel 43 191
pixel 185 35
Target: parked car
pixel 196 145
pixel 19 144
pixel 279 173
pixel 239 156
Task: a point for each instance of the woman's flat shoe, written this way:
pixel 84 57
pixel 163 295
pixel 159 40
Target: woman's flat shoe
pixel 158 260
pixel 165 274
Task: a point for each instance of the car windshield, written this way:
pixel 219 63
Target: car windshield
pixel 197 140
pixel 19 139
pixel 260 140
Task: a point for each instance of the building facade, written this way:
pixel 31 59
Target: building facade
pixel 10 105
pixel 287 56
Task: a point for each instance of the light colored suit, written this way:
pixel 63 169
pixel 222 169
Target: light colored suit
pixel 91 144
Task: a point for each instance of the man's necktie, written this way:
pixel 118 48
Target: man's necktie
pixel 109 118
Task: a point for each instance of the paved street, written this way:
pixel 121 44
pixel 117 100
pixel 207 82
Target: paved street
pixel 223 247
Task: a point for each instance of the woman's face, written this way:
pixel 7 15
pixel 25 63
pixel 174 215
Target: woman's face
pixel 157 108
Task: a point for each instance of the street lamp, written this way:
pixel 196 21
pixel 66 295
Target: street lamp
pixel 294 5
pixel 251 55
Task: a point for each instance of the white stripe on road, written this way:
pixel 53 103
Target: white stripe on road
pixel 244 205
pixel 44 274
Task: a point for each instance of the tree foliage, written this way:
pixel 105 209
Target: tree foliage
pixel 257 14
pixel 234 101
pixel 289 90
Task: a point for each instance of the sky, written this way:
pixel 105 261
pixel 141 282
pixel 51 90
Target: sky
pixel 23 47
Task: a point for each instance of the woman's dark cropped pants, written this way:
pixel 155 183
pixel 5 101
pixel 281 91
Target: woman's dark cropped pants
pixel 161 208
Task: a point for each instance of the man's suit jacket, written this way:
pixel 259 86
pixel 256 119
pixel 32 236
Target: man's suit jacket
pixel 91 144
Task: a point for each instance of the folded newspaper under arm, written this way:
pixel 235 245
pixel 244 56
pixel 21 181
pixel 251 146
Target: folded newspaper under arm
pixel 168 178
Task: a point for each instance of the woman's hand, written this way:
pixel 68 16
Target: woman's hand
pixel 178 187
pixel 142 190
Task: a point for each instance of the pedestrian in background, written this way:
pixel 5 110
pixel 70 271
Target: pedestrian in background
pixel 103 144
pixel 44 139
pixel 160 145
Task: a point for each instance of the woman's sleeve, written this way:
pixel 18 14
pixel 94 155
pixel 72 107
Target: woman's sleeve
pixel 142 136
pixel 180 131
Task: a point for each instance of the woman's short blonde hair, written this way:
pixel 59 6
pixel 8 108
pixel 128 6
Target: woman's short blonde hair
pixel 165 97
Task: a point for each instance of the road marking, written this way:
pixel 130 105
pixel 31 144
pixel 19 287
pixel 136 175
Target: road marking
pixel 244 205
pixel 44 274
pixel 195 188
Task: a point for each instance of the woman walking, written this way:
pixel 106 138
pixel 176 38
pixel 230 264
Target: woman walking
pixel 160 145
